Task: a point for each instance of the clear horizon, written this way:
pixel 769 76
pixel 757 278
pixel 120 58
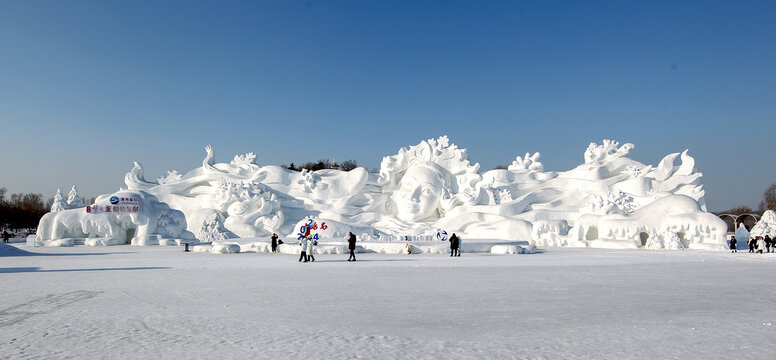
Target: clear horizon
pixel 87 87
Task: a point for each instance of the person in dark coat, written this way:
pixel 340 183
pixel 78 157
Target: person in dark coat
pixel 733 244
pixel 303 254
pixel 455 244
pixel 274 243
pixel 768 243
pixel 352 246
pixel 5 236
pixel 751 244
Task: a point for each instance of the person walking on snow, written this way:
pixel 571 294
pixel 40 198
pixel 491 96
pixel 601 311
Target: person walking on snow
pixel 352 246
pixel 303 254
pixel 760 244
pixel 454 245
pixel 5 236
pixel 310 248
pixel 769 244
pixel 274 242
pixel 733 244
pixel 751 244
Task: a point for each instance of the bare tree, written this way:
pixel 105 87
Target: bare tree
pixel 348 165
pixel 769 199
pixel 738 210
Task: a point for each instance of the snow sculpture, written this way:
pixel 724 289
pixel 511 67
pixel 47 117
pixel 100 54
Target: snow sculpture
pixel 171 177
pixel 212 229
pixel 74 200
pixel 153 223
pixel 428 179
pixel 527 164
pixel 766 225
pixel 59 202
pixel 609 201
pixel 608 151
pixel 742 236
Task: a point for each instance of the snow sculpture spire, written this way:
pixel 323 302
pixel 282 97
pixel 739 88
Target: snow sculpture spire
pixel 74 200
pixel 59 202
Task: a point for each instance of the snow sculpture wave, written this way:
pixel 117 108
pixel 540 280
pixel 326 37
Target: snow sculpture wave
pixel 608 201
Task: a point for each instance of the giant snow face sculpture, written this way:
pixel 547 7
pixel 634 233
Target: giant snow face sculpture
pixel 419 193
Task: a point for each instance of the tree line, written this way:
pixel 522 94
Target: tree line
pixel 21 211
pixel 323 164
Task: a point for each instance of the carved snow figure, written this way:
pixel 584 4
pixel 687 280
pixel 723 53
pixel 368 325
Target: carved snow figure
pixel 433 185
pixel 420 190
pixel 212 229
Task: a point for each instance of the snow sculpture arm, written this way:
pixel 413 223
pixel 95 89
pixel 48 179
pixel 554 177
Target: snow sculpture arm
pixel 210 159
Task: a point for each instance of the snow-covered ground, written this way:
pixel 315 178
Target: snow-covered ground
pixel 159 302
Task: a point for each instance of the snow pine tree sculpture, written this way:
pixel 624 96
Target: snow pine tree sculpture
pixel 59 203
pixel 74 200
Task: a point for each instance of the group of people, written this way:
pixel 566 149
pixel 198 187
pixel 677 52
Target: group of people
pixel 308 245
pixel 758 244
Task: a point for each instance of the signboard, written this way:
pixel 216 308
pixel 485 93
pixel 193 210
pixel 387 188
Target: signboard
pixel 121 205
pixel 304 230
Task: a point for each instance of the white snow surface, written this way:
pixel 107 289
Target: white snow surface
pixel 560 303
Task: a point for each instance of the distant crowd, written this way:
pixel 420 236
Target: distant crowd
pixel 308 245
pixel 758 244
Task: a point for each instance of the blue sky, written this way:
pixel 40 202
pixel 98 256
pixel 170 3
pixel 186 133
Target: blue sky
pixel 87 87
